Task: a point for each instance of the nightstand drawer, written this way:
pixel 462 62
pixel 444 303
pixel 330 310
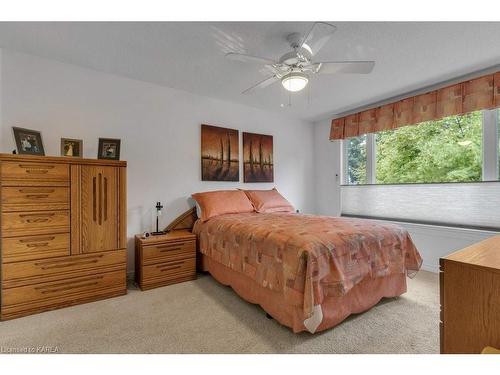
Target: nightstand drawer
pixel 172 269
pixel 35 198
pixel 165 259
pixel 169 251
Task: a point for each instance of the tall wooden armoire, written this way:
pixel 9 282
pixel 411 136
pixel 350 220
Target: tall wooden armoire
pixel 62 232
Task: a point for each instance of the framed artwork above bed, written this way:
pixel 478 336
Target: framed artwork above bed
pixel 219 154
pixel 258 162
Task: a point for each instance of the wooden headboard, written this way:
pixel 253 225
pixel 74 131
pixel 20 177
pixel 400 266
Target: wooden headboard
pixel 184 221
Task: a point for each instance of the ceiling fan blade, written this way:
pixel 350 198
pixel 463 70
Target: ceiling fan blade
pixel 317 36
pixel 249 58
pixel 260 85
pixel 354 67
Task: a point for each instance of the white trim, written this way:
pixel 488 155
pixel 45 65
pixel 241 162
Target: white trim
pixel 343 160
pixel 434 242
pixel 443 231
pixel 490 145
pixel 430 267
pixel 371 158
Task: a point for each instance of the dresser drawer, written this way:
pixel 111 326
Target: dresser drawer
pixel 33 198
pixel 16 249
pixel 172 269
pixel 55 294
pixel 169 251
pixel 16 274
pixel 40 222
pixel 27 173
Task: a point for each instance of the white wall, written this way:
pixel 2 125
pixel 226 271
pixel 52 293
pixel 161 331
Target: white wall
pixel 159 128
pixel 433 242
pixel 327 161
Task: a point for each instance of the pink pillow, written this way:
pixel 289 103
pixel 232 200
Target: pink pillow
pixel 265 201
pixel 214 203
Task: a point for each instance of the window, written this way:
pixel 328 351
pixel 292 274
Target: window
pixel 355 170
pixel 446 150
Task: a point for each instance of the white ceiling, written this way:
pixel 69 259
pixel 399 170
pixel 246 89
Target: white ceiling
pixel 190 57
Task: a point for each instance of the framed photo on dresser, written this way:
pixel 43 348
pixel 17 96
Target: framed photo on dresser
pixel 109 148
pixel 72 147
pixel 28 141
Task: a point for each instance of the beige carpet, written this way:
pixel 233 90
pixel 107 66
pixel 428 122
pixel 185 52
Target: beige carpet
pixel 203 316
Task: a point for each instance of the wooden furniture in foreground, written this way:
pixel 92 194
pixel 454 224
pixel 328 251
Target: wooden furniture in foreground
pixel 62 232
pixel 470 298
pixel 165 259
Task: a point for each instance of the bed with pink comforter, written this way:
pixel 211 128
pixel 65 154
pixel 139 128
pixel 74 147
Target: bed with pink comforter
pixel 308 272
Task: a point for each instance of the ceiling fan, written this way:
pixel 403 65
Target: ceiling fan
pixel 295 68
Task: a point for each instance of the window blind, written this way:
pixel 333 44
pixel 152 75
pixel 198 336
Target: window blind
pixel 473 205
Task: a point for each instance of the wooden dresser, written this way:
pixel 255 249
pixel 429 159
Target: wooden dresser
pixel 470 298
pixel 62 232
pixel 165 259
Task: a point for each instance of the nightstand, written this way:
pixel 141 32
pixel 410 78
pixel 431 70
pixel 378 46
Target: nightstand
pixel 165 259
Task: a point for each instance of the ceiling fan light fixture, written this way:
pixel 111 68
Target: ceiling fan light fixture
pixel 294 81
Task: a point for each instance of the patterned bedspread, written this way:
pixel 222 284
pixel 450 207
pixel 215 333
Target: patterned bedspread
pixel 307 257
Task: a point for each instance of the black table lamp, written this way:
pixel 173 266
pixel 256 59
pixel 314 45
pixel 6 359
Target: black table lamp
pixel 159 207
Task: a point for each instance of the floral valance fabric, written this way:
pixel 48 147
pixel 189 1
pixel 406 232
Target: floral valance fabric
pixel 473 95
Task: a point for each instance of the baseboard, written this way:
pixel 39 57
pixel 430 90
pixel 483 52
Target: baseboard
pixel 130 276
pixel 430 267
pixel 435 242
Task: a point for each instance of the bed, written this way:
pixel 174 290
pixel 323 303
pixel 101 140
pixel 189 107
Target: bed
pixel 308 272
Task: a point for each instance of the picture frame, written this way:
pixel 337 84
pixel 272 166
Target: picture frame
pixel 109 149
pixel 219 154
pixel 258 158
pixel 28 141
pixel 72 148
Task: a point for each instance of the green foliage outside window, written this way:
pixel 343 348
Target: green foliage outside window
pixel 356 160
pixel 446 150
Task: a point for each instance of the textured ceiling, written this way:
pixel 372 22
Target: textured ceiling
pixel 190 57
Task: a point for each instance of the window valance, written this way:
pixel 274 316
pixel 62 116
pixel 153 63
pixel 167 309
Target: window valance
pixel 472 95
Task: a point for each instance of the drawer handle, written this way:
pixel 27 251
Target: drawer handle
pixel 36 169
pixel 94 199
pixel 37 196
pixel 36 215
pixel 166 248
pixel 100 198
pixel 41 244
pixel 105 199
pixel 34 221
pixel 37 218
pixel 71 264
pixel 68 285
pixel 169 268
pixel 37 190
pixel 38 239
pixel 59 263
pixel 62 289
